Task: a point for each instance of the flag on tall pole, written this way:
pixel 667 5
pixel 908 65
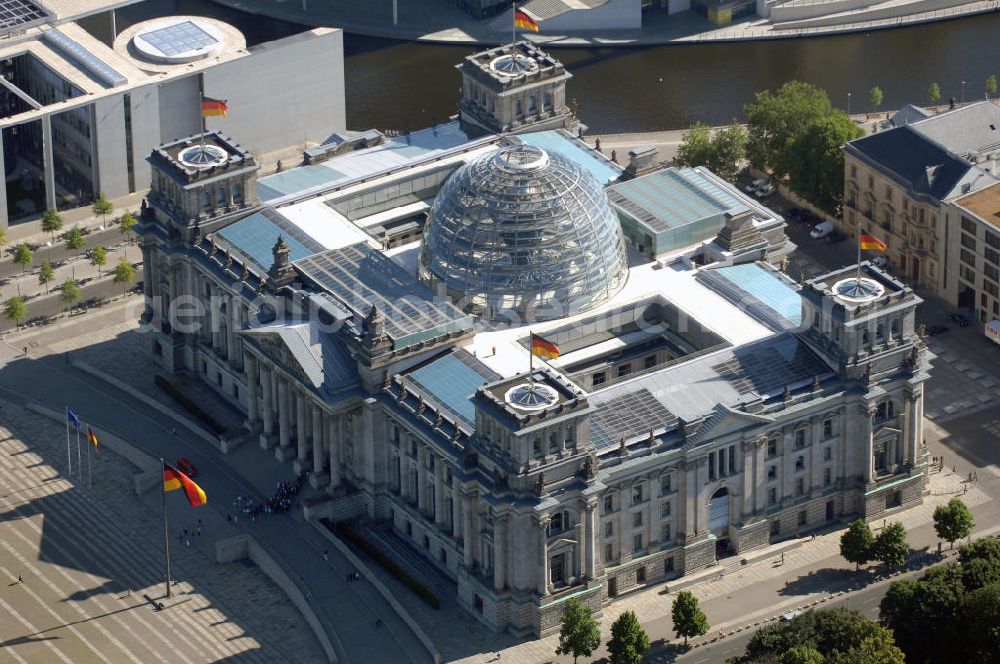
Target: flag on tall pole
pixel 93 439
pixel 174 479
pixel 543 348
pixel 870 242
pixel 523 21
pixel 71 418
pixel 213 107
pixel 166 539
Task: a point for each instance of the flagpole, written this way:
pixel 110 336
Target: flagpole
pixel 69 454
pixel 857 279
pixel 90 477
pixel 166 538
pixel 79 455
pixel 513 31
pixel 531 359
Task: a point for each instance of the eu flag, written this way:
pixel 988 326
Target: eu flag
pixel 73 419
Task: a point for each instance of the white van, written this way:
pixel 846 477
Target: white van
pixel 821 230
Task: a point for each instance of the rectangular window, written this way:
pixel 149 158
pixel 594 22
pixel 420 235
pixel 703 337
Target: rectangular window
pixel 992 239
pixel 828 428
pixel 991 288
pixel 665 509
pixel 968 257
pixel 711 465
pixel 827 477
pixel 649 362
pixel 640 575
pixel 800 486
pixel 776 527
pixel 637 519
pixel 665 534
pixel 991 272
pixel 827 454
pixel 772 448
pixel 992 255
pixel 599 378
pixel 803 518
pixel 772 472
pixel 668 565
pixel 609 504
pixel 637 494
pixel 609 552
pixel 637 543
pixel 968 242
pixel 800 462
pixel 609 529
pixel 732 459
pixel 772 496
pixel 624 370
pixel 800 438
pixel 969 226
pixel 665 481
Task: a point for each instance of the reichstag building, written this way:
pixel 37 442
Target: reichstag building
pixel 372 313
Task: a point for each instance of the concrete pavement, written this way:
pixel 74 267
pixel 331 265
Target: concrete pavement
pixel 351 609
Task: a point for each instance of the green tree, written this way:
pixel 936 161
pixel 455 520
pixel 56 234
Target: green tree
pixel 991 86
pixel 934 93
pixel 890 547
pixel 918 612
pixel 802 655
pixel 124 274
pixel 69 293
pixel 953 521
pixel 15 310
pixel 729 148
pixel 856 543
pixel 23 256
pixel 979 573
pixel 775 118
pixel 696 146
pixel 99 258
pixel 74 239
pixel 816 162
pixel 875 98
pixel 51 223
pixel 983 549
pixel 103 207
pixel 689 619
pixel 830 632
pixel 3 240
pixel 580 634
pixel 629 642
pixel 878 648
pixel 979 620
pixel 125 223
pixel 46 275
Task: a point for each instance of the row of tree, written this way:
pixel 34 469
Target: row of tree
pixel 875 96
pixel 16 309
pixel 580 633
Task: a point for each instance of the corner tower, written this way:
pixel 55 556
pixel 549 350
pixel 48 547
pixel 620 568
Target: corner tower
pixel 512 89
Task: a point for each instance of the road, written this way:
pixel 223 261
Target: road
pixel 58 252
pixel 352 607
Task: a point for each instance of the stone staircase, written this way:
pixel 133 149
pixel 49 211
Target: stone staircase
pixel 408 557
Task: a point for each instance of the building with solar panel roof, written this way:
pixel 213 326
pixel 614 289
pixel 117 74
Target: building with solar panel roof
pixel 372 313
pixel 78 116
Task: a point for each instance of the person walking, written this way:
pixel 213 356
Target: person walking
pixel 19 579
pixel 326 555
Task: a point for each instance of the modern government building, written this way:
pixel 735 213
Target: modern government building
pixel 371 311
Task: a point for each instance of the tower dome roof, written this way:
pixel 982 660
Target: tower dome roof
pixel 524 234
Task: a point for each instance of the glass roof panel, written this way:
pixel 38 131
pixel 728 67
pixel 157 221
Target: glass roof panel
pixel 179 38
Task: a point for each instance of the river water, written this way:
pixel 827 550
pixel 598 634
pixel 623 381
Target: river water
pixel 393 84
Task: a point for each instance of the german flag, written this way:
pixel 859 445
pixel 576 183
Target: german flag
pixel 212 107
pixel 92 437
pixel 872 242
pixel 174 479
pixel 542 348
pixel 525 22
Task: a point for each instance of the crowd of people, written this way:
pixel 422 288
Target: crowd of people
pixel 282 500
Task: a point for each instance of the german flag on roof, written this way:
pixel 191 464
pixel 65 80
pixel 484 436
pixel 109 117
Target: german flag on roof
pixel 174 479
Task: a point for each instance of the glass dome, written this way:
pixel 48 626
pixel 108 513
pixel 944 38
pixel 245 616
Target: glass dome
pixel 522 234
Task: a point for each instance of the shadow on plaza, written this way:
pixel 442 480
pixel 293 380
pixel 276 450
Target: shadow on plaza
pixel 833 579
pixel 78 533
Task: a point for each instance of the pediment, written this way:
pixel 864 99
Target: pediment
pixel 275 347
pixel 725 421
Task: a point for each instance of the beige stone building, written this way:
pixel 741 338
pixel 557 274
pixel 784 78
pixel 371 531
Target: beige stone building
pixel 973 256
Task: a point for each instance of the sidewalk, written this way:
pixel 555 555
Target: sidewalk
pixel 80 269
pixel 31 231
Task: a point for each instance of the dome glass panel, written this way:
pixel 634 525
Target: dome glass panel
pixel 524 235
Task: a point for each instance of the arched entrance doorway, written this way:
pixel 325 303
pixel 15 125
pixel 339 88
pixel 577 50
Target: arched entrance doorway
pixel 718 520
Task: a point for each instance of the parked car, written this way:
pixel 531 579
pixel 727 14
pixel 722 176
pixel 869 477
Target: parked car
pixel 755 185
pixel 959 319
pixel 764 190
pixel 880 262
pixel 821 230
pixel 936 329
pixel 791 615
pixel 185 466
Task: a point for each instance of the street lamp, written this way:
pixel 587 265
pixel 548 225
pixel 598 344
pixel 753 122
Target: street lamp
pixel 963 92
pixel 848 103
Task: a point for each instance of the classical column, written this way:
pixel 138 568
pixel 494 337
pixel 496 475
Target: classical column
pixel 589 538
pixel 748 448
pixel 421 480
pixel 216 322
pixel 334 442
pixel 691 499
pixel 251 392
pixel 499 552
pixel 439 493
pixel 301 428
pixel 543 553
pixel 467 534
pixel 232 349
pixel 868 438
pixel 284 423
pixel 317 439
pixel 456 507
pixel 267 403
pixel 911 428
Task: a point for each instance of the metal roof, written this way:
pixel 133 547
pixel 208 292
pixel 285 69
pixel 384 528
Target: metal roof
pixel 256 235
pixel 360 277
pixel 452 380
pixel 322 356
pixel 103 72
pixel 555 141
pixel 671 198
pixel 758 289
